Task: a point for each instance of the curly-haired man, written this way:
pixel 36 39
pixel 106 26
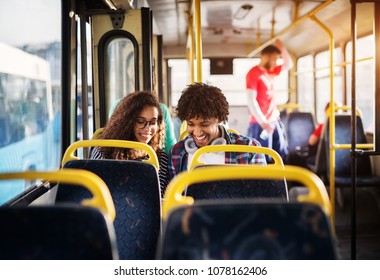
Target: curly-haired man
pixel 205 108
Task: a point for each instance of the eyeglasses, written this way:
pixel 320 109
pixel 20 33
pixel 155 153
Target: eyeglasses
pixel 141 124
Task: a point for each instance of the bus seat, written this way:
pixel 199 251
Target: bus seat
pixel 247 229
pixel 283 116
pixel 318 164
pixel 61 232
pixel 242 230
pixel 287 108
pixel 135 190
pixel 252 188
pixel 365 176
pixel 299 126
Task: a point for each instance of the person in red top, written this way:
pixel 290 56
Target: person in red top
pixel 316 135
pixel 265 124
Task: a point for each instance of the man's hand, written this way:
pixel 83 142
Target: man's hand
pixel 267 126
pixel 278 44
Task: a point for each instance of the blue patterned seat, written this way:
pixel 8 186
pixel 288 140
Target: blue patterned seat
pixel 299 126
pixel 260 189
pixel 237 188
pixel 82 231
pixel 134 187
pixel 365 177
pixel 56 233
pixel 242 230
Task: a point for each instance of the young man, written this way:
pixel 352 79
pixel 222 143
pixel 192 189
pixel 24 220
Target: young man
pixel 204 108
pixel 264 123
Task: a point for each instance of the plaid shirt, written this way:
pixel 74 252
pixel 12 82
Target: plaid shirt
pixel 177 158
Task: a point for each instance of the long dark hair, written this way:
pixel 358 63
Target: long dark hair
pixel 122 122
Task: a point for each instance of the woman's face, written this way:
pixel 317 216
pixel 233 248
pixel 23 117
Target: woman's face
pixel 203 131
pixel 146 124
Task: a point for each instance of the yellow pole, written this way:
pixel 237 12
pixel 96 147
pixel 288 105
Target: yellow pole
pixel 273 22
pixel 191 48
pixel 332 116
pixel 198 39
pixel 258 34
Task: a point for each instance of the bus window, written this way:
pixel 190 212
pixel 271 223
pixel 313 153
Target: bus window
pixel 180 76
pixel 233 85
pixel 365 79
pixel 120 73
pixel 305 81
pixel 30 73
pixel 322 64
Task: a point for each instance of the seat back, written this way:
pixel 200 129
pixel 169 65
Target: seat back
pixel 250 188
pixel 299 126
pixel 56 233
pixel 233 189
pixel 342 157
pixel 135 190
pixel 247 229
pixel 319 165
pixel 243 230
pixel 283 116
pixel 62 232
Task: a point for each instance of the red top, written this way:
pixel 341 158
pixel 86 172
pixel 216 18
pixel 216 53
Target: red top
pixel 318 131
pixel 262 81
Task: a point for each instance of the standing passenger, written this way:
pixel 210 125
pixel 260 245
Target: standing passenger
pixel 265 124
pixel 137 117
pixel 204 108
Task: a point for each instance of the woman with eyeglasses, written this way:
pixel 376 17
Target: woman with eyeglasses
pixel 137 117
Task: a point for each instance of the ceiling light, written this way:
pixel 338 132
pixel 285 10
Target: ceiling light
pixel 243 11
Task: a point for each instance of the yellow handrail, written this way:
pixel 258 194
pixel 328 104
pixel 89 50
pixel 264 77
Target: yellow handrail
pixel 234 148
pixel 289 107
pixel 233 131
pixel 346 108
pixel 69 154
pixel 366 146
pixel 317 190
pixel 330 109
pixel 97 132
pixel 183 135
pixel 183 127
pixel 101 199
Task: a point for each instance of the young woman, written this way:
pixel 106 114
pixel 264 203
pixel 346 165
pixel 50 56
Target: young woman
pixel 137 117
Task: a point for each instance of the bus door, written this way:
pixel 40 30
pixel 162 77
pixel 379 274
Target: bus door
pixel 122 58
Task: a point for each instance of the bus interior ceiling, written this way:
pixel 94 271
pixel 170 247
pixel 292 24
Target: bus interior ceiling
pixel 230 30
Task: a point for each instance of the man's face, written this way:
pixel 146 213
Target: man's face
pixel 203 131
pixel 270 60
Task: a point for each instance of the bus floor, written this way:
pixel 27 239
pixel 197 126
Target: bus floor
pixel 367 223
